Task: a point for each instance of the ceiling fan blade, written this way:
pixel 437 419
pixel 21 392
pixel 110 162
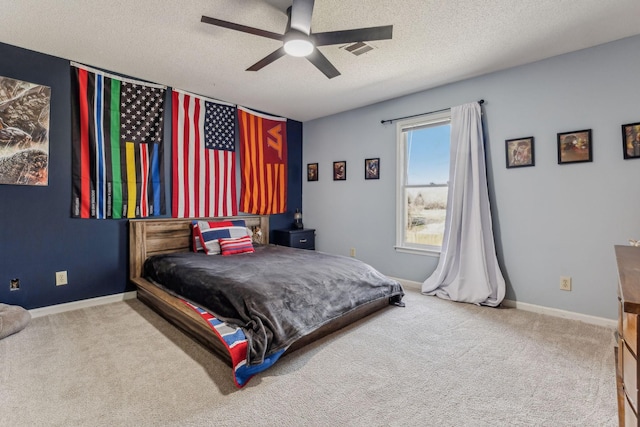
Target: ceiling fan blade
pixel 267 60
pixel 322 63
pixel 242 28
pixel 349 36
pixel 301 11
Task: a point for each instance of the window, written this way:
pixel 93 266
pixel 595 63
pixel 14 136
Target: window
pixel 422 186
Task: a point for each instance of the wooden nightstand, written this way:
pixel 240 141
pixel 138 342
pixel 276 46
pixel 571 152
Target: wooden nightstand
pixel 296 238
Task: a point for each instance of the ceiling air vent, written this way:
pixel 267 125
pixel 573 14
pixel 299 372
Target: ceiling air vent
pixel 357 48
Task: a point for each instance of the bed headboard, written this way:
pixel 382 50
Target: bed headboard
pixel 159 236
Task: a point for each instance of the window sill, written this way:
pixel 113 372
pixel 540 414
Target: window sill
pixel 418 251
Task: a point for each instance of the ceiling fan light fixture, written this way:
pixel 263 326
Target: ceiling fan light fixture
pixel 298 44
pixel 299 40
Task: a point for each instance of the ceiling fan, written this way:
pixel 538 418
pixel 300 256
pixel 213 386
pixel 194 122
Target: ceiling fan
pixel 298 40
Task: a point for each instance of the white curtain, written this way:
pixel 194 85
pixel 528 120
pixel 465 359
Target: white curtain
pixel 468 269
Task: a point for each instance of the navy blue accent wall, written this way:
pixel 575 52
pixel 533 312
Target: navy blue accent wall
pixel 294 181
pixel 37 234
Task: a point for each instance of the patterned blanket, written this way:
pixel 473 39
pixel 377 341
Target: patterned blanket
pixel 235 341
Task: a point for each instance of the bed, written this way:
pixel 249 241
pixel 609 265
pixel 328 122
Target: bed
pixel 169 241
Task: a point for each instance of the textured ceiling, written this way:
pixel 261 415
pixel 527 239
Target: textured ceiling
pixel 434 42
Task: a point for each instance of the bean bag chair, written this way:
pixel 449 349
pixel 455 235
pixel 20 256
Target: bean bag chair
pixel 12 319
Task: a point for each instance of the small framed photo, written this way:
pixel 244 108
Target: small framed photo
pixel 340 171
pixel 631 140
pixel 312 172
pixel 520 152
pixel 372 168
pixel 575 147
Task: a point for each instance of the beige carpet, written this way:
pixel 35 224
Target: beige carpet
pixel 433 363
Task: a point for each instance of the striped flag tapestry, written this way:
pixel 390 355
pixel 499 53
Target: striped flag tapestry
pixel 204 157
pixel 117 153
pixel 263 160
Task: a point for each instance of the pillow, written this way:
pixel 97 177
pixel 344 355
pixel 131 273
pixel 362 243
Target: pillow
pixel 233 246
pixel 211 231
pixel 196 246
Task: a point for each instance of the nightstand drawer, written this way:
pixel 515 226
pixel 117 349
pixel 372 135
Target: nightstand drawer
pixel 302 239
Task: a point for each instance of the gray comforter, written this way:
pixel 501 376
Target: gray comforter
pixel 276 295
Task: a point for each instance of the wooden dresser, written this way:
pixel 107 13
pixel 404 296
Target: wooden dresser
pixel 628 260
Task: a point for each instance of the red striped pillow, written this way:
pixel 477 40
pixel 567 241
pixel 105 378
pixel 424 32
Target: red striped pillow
pixel 233 246
pixel 207 233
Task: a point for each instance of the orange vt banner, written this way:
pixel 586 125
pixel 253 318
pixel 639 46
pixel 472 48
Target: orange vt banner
pixel 263 163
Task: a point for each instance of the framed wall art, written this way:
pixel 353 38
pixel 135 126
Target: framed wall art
pixel 24 132
pixel 520 152
pixel 312 172
pixel 575 147
pixel 372 168
pixel 340 171
pixel 631 140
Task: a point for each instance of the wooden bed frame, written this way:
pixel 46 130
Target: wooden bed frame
pixel 157 236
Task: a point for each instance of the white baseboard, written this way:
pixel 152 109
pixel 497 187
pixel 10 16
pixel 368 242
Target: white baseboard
pixel 75 305
pixel 600 321
pixel 586 318
pixel 409 284
pixel 416 286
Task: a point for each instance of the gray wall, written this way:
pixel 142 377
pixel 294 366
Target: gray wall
pixel 549 220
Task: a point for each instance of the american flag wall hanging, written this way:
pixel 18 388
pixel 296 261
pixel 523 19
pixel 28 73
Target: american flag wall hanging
pixel 117 134
pixel 204 157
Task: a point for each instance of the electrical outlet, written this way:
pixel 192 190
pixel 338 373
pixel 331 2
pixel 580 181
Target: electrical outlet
pixel 352 252
pixel 61 278
pixel 14 284
pixel 565 283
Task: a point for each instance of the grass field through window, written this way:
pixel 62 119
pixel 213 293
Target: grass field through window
pixel 426 211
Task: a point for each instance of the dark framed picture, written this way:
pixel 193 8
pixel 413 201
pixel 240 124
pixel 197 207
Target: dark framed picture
pixel 520 152
pixel 575 147
pixel 340 171
pixel 372 168
pixel 631 140
pixel 312 172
